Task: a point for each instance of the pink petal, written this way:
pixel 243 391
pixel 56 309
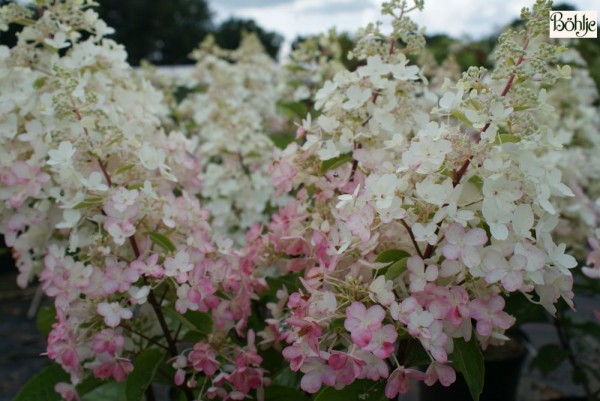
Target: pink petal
pixel 415 265
pixel 495 275
pixel 512 281
pixel 451 252
pixel 375 316
pixel 476 237
pixel 311 382
pixel 455 234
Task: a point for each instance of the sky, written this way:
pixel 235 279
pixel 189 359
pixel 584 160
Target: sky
pixel 458 18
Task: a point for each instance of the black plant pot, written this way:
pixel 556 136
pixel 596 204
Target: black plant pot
pixel 573 398
pixel 502 374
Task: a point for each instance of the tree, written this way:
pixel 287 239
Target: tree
pixel 229 34
pixel 162 31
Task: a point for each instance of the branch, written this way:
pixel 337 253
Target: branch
pixel 412 238
pixel 130 329
pixel 565 342
pixel 172 347
pixel 458 175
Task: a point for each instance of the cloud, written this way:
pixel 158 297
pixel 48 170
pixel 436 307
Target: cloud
pixel 474 18
pixel 333 7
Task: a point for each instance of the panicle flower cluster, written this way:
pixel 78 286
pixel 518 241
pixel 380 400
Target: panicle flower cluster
pixel 575 143
pixel 228 117
pixel 315 60
pixel 99 204
pixel 418 208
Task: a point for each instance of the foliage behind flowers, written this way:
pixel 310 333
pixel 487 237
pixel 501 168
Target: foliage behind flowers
pixel 414 209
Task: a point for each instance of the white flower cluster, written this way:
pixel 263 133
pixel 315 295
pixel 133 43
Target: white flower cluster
pixel 425 204
pixel 100 204
pixel 229 119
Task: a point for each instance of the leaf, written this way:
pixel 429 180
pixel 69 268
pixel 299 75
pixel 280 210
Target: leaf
pixel 144 368
pixel 39 83
pixel 281 393
pixel 45 318
pixel 286 378
pixel 415 353
pixel 360 390
pixel 335 162
pixel 113 391
pixel 282 140
pixel 337 323
pixel 124 169
pixel 396 269
pixel 89 385
pixel 461 117
pixel 41 386
pixel 524 310
pixel 293 109
pixel 163 241
pixel 290 281
pixel 507 138
pixel 96 200
pixel 196 321
pixel 586 328
pixel 202 322
pixel 548 358
pixel 468 360
pixel 391 255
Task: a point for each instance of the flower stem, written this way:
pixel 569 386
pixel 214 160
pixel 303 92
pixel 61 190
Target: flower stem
pixel 565 342
pixel 412 238
pixel 458 175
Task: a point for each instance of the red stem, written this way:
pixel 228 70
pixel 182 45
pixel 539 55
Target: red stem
pixel 460 173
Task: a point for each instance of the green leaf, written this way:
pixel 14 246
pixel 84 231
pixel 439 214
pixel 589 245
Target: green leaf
pixel 548 358
pixel 293 109
pixel 468 360
pixel 163 241
pixel 507 138
pixel 282 140
pixel 360 390
pixel 335 162
pixel 39 83
pixel 396 269
pixel 96 200
pixel 124 169
pixel 415 353
pixel 286 378
pixel 144 368
pixel 89 385
pixel 461 117
pixel 199 322
pixel 391 256
pixel 337 323
pixel 282 393
pixel 41 386
pixel 524 310
pixel 586 328
pixel 113 391
pixel 290 281
pixel 45 318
